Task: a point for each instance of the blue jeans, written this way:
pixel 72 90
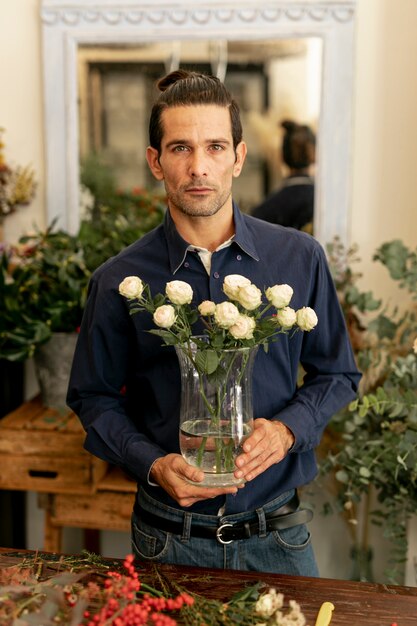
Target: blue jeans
pixel 286 551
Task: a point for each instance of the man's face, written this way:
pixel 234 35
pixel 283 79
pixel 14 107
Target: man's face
pixel 197 161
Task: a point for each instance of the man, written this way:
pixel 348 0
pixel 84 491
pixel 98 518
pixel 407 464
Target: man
pixel 196 149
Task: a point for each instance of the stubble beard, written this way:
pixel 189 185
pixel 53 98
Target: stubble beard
pixel 197 207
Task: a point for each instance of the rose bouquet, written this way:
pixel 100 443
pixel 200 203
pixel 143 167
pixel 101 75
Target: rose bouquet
pixel 241 321
pixel 216 366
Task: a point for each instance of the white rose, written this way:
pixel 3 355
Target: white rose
pixel 269 602
pixel 226 314
pixel 286 317
pixel 294 614
pixel 415 346
pixel 207 308
pixel 232 284
pixel 179 292
pixel 279 295
pixel 131 287
pixel 249 296
pixel 306 318
pixel 164 316
pixel 243 327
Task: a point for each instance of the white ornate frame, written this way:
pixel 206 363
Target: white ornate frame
pixel 66 24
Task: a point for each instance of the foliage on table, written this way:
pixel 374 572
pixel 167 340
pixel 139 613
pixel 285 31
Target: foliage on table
pixel 373 444
pixel 89 591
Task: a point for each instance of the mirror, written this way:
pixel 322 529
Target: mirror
pixel 271 80
pixel 91 48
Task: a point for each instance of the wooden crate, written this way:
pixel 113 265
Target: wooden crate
pixel 41 449
pixel 109 509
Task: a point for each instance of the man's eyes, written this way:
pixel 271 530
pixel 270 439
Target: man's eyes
pixel 215 147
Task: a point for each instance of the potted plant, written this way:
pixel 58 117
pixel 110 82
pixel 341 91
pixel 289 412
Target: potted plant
pixel 44 277
pixel 17 189
pixel 372 446
pixel 43 281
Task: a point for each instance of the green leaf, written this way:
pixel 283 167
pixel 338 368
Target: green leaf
pixel 207 361
pixel 250 594
pixel 383 326
pixel 394 256
pixel 165 335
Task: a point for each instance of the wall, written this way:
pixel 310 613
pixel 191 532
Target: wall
pixel 384 182
pixel 384 189
pixel 21 112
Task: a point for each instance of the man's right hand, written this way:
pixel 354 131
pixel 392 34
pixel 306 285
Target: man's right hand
pixel 172 473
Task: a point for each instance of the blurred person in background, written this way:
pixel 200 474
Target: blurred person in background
pixel 292 204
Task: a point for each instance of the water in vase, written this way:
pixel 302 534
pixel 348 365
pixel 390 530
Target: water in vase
pixel 213 448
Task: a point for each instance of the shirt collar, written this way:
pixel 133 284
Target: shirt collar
pixel 178 247
pixel 243 236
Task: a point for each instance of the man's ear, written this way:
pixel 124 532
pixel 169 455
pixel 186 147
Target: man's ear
pixel 240 151
pixel 152 156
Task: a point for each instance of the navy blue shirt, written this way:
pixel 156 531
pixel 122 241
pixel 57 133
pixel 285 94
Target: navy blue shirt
pixel 125 384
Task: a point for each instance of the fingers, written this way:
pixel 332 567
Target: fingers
pixel 267 445
pixel 172 473
pixel 186 494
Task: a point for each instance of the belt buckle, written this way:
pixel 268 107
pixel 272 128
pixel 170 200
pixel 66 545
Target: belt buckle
pixel 219 533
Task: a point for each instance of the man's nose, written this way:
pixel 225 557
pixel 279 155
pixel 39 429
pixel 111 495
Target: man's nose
pixel 198 165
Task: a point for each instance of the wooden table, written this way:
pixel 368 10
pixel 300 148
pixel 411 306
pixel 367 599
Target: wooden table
pixel 356 604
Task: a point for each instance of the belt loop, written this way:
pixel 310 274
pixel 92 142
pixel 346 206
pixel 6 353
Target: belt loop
pixel 262 522
pixel 186 529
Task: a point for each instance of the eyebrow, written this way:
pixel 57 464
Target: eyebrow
pixel 176 142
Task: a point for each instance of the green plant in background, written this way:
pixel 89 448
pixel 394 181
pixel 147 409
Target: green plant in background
pixel 44 278
pixel 114 227
pixel 17 184
pixel 43 284
pixel 372 446
pixel 115 218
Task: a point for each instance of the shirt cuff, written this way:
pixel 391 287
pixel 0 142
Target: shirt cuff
pixel 152 484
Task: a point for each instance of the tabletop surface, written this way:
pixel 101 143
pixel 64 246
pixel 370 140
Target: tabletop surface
pixel 356 604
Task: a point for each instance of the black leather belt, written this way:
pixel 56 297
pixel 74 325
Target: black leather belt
pixel 280 519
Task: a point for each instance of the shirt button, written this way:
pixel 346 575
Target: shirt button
pixel 186 264
pixel 239 258
pixel 216 275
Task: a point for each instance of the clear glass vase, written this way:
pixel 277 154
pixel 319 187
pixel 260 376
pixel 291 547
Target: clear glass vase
pixel 216 408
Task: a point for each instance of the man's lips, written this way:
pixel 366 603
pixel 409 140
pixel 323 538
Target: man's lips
pixel 198 189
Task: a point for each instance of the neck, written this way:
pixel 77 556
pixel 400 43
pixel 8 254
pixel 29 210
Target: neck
pixel 206 232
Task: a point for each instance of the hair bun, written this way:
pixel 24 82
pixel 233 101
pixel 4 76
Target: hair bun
pixel 289 125
pixel 172 78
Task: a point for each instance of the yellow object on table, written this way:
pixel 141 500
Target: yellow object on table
pixel 325 614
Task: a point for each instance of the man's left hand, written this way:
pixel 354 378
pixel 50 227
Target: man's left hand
pixel 268 444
